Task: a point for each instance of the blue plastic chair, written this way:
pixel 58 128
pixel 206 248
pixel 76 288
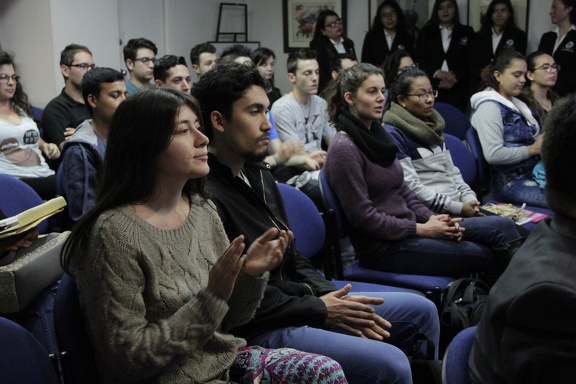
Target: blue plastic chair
pixel 457 123
pixel 23 359
pixel 455 363
pixel 431 286
pixel 462 158
pixel 310 234
pixel 17 196
pixel 77 355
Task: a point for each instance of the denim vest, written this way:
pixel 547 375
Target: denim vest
pixel 517 133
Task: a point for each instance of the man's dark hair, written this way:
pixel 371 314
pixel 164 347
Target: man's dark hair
pixel 219 88
pixel 336 64
pixel 301 54
pixel 163 65
pixel 67 55
pixel 559 156
pixel 131 49
pixel 199 49
pixel 235 51
pixel 93 79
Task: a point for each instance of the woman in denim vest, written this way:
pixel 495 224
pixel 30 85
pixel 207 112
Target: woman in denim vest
pixel 509 131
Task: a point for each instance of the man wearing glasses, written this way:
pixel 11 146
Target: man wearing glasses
pixel 139 56
pixel 66 111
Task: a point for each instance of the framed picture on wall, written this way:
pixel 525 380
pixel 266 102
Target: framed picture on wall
pixel 300 19
pixel 417 12
pixel 477 8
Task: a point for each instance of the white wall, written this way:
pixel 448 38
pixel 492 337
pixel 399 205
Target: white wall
pixel 37 30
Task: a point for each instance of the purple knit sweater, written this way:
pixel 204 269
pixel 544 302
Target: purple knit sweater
pixel 379 205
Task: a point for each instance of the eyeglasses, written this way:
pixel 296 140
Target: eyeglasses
pixel 391 15
pixel 145 60
pixel 549 68
pixel 334 24
pixel 424 95
pixel 83 66
pixel 4 78
pixel 407 68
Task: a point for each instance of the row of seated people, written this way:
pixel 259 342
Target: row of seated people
pixel 300 116
pixel 454 56
pixel 244 208
pixel 152 187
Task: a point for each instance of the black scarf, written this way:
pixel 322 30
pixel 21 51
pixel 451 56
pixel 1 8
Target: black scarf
pixel 375 142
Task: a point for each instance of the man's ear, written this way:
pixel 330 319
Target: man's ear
pixel 129 64
pixel 291 77
pixel 158 83
pixel 92 101
pixel 195 67
pixel 65 70
pixel 217 120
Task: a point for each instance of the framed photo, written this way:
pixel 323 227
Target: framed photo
pixel 477 8
pixel 417 12
pixel 300 20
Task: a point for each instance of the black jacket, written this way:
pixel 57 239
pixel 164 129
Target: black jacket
pixel 375 49
pixel 513 38
pixel 431 55
pixel 291 297
pixel 325 53
pixel 527 334
pixel 565 55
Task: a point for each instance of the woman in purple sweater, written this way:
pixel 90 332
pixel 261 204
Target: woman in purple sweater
pixel 391 229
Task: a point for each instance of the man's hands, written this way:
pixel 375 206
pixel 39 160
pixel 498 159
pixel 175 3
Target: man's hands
pixel 471 209
pixel 355 315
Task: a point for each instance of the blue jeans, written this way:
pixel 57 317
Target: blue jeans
pixel 484 238
pixel 365 360
pixel 519 187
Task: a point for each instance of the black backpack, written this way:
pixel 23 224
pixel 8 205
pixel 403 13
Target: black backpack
pixel 463 303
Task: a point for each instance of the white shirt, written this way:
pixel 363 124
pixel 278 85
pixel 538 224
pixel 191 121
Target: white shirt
pixel 389 39
pixel 559 39
pixel 496 37
pixel 446 33
pixel 339 45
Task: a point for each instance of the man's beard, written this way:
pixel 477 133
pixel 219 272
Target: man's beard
pixel 256 156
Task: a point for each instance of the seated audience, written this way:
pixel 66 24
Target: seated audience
pixel 328 41
pixel 391 230
pixel 171 71
pixel 300 309
pixel 160 284
pixel 509 131
pixel 66 111
pixel 301 115
pixel 560 42
pixel 21 146
pixel 526 334
pixel 139 57
pixel 388 33
pixel 103 90
pixel 498 31
pixel 265 60
pixel 443 48
pixel 203 58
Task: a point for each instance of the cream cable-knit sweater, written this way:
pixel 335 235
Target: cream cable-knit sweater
pixel 149 313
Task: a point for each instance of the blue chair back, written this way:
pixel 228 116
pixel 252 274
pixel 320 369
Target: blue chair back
pixel 304 220
pixel 76 350
pixel 462 158
pixel 476 149
pixel 23 359
pixel 310 233
pixel 17 196
pixel 457 123
pixel 455 363
pixel 431 286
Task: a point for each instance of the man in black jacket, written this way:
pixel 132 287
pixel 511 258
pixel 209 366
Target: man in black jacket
pixel 300 309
